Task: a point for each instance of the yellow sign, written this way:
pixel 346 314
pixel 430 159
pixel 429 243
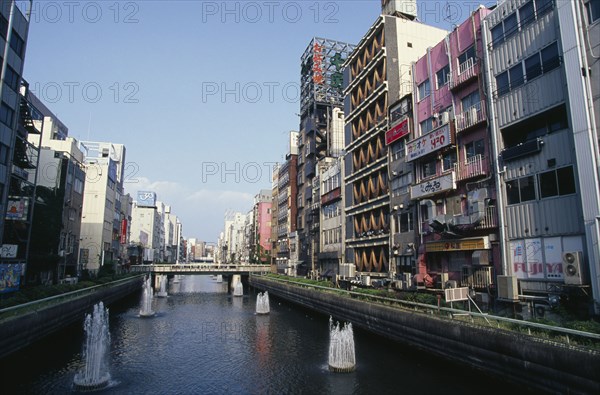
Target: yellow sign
pixel 481 243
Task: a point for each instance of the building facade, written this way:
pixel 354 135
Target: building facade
pixel 321 135
pixel 545 125
pixel 17 158
pixel 378 73
pixel 59 196
pixel 101 220
pixel 451 152
pixel 287 189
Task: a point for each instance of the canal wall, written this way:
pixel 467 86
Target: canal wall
pixel 537 364
pixel 22 330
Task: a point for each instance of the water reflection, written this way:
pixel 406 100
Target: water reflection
pixel 206 341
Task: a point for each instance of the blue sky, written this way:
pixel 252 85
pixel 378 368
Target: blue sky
pixel 202 93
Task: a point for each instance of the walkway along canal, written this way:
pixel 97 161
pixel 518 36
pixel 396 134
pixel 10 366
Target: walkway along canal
pixel 536 363
pixel 25 324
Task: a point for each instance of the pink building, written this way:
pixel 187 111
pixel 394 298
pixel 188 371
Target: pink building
pixel 262 226
pixel 451 156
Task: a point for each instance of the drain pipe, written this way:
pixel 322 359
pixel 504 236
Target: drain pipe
pixel 495 133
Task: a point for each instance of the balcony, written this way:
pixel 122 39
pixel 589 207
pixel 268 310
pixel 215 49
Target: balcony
pixel 490 220
pixel 465 72
pixel 472 116
pixel 475 166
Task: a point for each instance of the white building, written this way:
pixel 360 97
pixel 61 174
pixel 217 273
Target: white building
pixel 101 222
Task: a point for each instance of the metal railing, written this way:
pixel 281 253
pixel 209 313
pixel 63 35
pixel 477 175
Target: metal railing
pixel 471 117
pixel 474 166
pixel 464 72
pixel 51 300
pixel 562 334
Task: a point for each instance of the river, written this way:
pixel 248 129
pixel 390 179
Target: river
pixel 203 340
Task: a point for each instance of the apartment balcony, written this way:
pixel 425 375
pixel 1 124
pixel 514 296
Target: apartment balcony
pixel 473 167
pixel 490 220
pixel 465 72
pixel 471 117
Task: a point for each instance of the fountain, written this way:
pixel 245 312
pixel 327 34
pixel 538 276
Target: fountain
pixel 163 287
pixel 341 347
pixel 238 290
pixel 262 303
pixel 146 310
pixel 219 278
pixel 95 375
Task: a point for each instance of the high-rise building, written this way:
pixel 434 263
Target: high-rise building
pixel 378 72
pixel 287 189
pixel 18 158
pixel 260 241
pixel 321 136
pixel 451 152
pixel 59 196
pixel 542 73
pixel 101 221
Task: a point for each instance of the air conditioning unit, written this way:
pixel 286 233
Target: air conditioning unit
pixel 573 268
pixel 451 284
pixel 444 118
pixel 507 287
pixel 473 114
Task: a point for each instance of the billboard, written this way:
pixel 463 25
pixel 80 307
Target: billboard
pixel 429 143
pixel 10 277
pixel 146 199
pixel 398 131
pixel 17 208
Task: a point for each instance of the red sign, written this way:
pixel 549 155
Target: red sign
pixel 318 77
pixel 331 195
pixel 397 132
pixel 124 231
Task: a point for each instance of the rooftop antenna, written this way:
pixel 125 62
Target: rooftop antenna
pixel 89 126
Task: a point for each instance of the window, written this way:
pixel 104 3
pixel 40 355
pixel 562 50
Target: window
pixel 520 190
pixel 550 58
pixel 497 34
pixel 17 44
pixel 449 160
pixel 516 75
pixel 400 184
pixel 6 115
pixel 442 76
pixel 428 169
pixel 78 186
pixel 426 126
pixel 399 110
pixel 12 79
pixel 3 26
pixel 543 6
pixel 398 150
pixel 424 89
pixel 533 66
pixel 593 10
pixel 526 14
pixel 557 182
pixel 465 56
pixel 471 100
pixel 510 25
pixel 474 148
pixel 502 86
pixel 406 222
pixel 4 155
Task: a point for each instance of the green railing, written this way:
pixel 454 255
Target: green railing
pixel 39 304
pixel 538 330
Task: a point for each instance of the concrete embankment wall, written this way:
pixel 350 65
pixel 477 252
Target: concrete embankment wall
pixel 538 364
pixel 22 330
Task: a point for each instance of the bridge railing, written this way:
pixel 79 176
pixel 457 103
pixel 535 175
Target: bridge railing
pixel 200 268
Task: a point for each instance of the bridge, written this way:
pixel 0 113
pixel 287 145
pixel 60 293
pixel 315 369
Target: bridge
pixel 201 268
